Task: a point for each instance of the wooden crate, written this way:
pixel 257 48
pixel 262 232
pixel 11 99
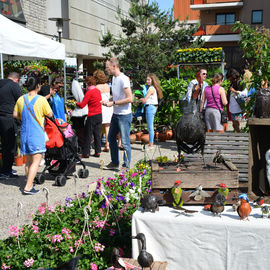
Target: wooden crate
pixel 193 175
pixel 155 265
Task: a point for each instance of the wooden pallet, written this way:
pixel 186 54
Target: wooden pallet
pixel 234 147
pixel 155 265
pixel 193 174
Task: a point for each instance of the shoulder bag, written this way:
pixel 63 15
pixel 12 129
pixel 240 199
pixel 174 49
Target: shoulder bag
pixel 45 133
pixel 224 116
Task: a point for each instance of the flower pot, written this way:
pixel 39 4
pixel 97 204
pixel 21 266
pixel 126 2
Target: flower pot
pixel 145 138
pixel 132 138
pixel 138 136
pixel 225 125
pixel 162 136
pixel 169 134
pixel 19 160
pixel 24 159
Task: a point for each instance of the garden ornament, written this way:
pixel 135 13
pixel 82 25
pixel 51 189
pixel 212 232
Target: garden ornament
pixel 177 194
pixel 117 262
pixel 244 208
pixel 190 131
pixel 262 103
pixel 19 209
pixel 258 202
pixel 46 195
pixel 218 206
pixel 199 194
pixel 144 259
pixel 223 190
pixel 265 210
pixel 267 158
pixel 150 203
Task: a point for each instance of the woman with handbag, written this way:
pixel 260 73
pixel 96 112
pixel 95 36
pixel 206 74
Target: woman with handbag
pixel 215 98
pixel 32 109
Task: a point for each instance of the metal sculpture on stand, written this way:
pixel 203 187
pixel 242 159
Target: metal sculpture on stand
pixel 262 103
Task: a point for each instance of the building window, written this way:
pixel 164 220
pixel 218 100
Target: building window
pixel 12 9
pixel 225 18
pixel 257 16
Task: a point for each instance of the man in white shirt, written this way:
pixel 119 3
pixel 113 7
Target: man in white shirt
pixel 122 115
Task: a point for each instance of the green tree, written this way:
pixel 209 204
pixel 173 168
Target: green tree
pixel 149 41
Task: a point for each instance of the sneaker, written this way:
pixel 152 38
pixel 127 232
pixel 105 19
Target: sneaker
pixel 111 166
pixel 13 171
pixel 33 191
pixel 84 156
pixel 96 155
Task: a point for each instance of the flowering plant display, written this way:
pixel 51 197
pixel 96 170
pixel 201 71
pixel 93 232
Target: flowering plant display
pixel 200 55
pixel 89 225
pixel 37 70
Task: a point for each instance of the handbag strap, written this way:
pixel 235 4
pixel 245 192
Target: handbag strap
pixel 32 113
pixel 215 99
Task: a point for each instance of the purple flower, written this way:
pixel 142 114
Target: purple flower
pixel 68 202
pixel 119 198
pixel 134 174
pixel 149 182
pixel 132 185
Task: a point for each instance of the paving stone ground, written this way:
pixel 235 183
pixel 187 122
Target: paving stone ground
pixel 11 194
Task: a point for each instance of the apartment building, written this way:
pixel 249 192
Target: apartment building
pixel 84 22
pixel 217 17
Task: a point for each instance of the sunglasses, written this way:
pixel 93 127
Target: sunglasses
pixel 204 73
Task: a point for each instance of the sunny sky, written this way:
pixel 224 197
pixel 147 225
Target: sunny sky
pixel 164 4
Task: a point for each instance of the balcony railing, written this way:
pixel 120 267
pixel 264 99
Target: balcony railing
pixel 213 29
pixel 215 4
pixel 201 2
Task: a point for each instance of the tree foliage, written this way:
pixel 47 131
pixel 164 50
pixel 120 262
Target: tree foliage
pixel 149 40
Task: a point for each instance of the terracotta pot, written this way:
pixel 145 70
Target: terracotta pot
pixel 138 136
pixel 19 160
pixel 24 159
pixel 169 134
pixel 132 138
pixel 145 138
pixel 162 137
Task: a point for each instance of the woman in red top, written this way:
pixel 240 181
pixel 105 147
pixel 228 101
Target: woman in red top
pixel 94 119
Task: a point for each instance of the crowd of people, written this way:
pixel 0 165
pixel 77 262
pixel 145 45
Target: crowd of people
pixel 101 108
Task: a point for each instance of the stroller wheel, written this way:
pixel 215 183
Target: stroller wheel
pixel 60 180
pixel 83 173
pixel 40 179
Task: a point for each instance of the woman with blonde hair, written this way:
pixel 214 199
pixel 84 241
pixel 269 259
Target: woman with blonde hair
pixel 107 112
pixel 215 98
pixel 154 94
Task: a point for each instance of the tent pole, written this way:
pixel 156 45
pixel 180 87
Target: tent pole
pixel 2 66
pixel 65 82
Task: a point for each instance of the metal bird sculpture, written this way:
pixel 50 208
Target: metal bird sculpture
pixel 265 210
pixel 258 202
pixel 199 193
pixel 218 206
pixel 116 260
pixel 244 208
pixel 144 259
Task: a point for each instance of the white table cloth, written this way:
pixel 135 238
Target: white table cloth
pixel 203 241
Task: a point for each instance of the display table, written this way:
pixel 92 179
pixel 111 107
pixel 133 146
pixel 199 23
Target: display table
pixel 203 241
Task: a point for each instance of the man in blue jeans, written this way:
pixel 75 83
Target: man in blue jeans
pixel 122 115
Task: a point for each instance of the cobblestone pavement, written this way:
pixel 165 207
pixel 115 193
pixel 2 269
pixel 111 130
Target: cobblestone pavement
pixel 11 193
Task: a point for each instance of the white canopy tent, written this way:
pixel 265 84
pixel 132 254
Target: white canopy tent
pixel 20 41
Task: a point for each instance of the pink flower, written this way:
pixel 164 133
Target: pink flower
pixel 41 210
pixel 43 204
pixel 62 210
pixel 28 263
pixel 71 249
pixel 4 266
pixel 78 243
pixel 98 247
pixel 14 231
pixel 35 229
pixel 112 232
pixel 57 238
pixel 93 266
pixel 66 232
pixel 51 208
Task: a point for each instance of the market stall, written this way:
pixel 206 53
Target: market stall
pixel 202 241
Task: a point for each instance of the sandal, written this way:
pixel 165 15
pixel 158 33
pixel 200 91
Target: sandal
pixel 106 149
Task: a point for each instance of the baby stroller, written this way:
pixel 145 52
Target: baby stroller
pixel 61 155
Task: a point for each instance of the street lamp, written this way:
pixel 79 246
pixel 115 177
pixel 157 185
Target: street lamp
pixel 59 25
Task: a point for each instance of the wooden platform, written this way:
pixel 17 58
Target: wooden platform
pixel 234 147
pixel 155 265
pixel 193 174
